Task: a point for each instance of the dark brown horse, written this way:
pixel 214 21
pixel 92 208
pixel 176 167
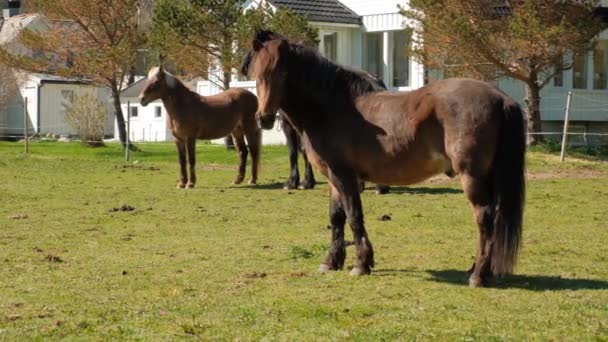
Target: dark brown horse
pixel 351 131
pixel 192 116
pixel 294 141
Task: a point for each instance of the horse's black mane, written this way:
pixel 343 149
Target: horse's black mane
pixel 320 69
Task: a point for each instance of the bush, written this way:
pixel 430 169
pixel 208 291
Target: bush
pixel 87 117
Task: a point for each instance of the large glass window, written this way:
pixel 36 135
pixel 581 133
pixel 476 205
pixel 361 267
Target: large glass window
pixel 330 45
pixel 372 54
pixel 600 66
pixel 401 59
pixel 579 72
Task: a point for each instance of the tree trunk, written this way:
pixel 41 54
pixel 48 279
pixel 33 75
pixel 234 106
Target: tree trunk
pixel 533 104
pixel 120 119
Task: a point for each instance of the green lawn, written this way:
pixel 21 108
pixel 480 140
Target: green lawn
pixel 224 262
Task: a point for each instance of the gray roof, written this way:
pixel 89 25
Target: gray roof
pixel 329 11
pixel 134 89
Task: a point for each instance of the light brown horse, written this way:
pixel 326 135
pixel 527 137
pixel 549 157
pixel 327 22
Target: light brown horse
pixel 192 116
pixel 352 132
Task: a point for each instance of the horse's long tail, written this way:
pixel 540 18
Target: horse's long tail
pixel 509 188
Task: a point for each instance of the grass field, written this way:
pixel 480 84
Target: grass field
pixel 223 262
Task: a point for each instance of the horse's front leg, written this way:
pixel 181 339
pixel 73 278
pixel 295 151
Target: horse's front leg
pixel 191 147
pixel 181 154
pixel 347 184
pixel 337 219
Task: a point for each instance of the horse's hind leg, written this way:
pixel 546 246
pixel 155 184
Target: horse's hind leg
pixel 181 153
pixel 478 192
pixel 309 176
pixel 293 145
pixel 254 143
pixel 241 150
pixel 191 147
pixel 337 219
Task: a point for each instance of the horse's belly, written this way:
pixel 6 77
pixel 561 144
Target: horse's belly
pixel 407 171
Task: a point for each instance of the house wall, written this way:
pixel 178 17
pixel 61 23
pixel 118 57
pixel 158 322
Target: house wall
pixel 146 127
pixel 55 100
pixel 347 52
pixel 365 7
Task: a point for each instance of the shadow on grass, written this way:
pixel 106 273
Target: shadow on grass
pixel 269 186
pixel 520 281
pixel 423 190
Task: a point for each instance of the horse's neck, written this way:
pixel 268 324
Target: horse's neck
pixel 310 97
pixel 177 98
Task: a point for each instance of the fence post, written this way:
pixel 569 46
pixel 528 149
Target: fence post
pixel 127 147
pixel 25 137
pixel 566 121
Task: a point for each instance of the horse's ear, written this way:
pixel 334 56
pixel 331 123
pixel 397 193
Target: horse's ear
pixel 256 45
pixel 161 72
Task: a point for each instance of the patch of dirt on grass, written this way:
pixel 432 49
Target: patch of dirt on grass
pixel 124 207
pixel 254 275
pixel 216 167
pixel 19 217
pixel 53 258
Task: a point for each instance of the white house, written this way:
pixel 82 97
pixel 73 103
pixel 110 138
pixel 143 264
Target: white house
pixel 588 82
pixel 48 97
pixel 145 123
pixel 365 34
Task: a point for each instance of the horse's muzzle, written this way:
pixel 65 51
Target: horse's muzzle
pixel 265 121
pixel 143 102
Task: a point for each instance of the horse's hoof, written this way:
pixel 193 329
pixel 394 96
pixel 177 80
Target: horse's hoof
pixel 306 186
pixel 289 186
pixel 475 282
pixel 253 182
pixel 190 186
pixel 324 268
pixel 237 181
pixel 383 190
pixel 358 271
pixel 180 186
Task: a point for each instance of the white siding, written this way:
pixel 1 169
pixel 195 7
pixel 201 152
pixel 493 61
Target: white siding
pixel 383 22
pixel 345 37
pixel 53 105
pixel 146 126
pixel 365 7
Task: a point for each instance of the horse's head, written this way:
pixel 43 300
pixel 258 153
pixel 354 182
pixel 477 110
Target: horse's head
pixel 156 84
pixel 267 65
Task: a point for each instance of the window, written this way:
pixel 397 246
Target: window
pixel 158 112
pixel 67 99
pixel 67 96
pixel 579 72
pixel 330 45
pixel 600 66
pixel 372 55
pixel 401 59
pixel 134 112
